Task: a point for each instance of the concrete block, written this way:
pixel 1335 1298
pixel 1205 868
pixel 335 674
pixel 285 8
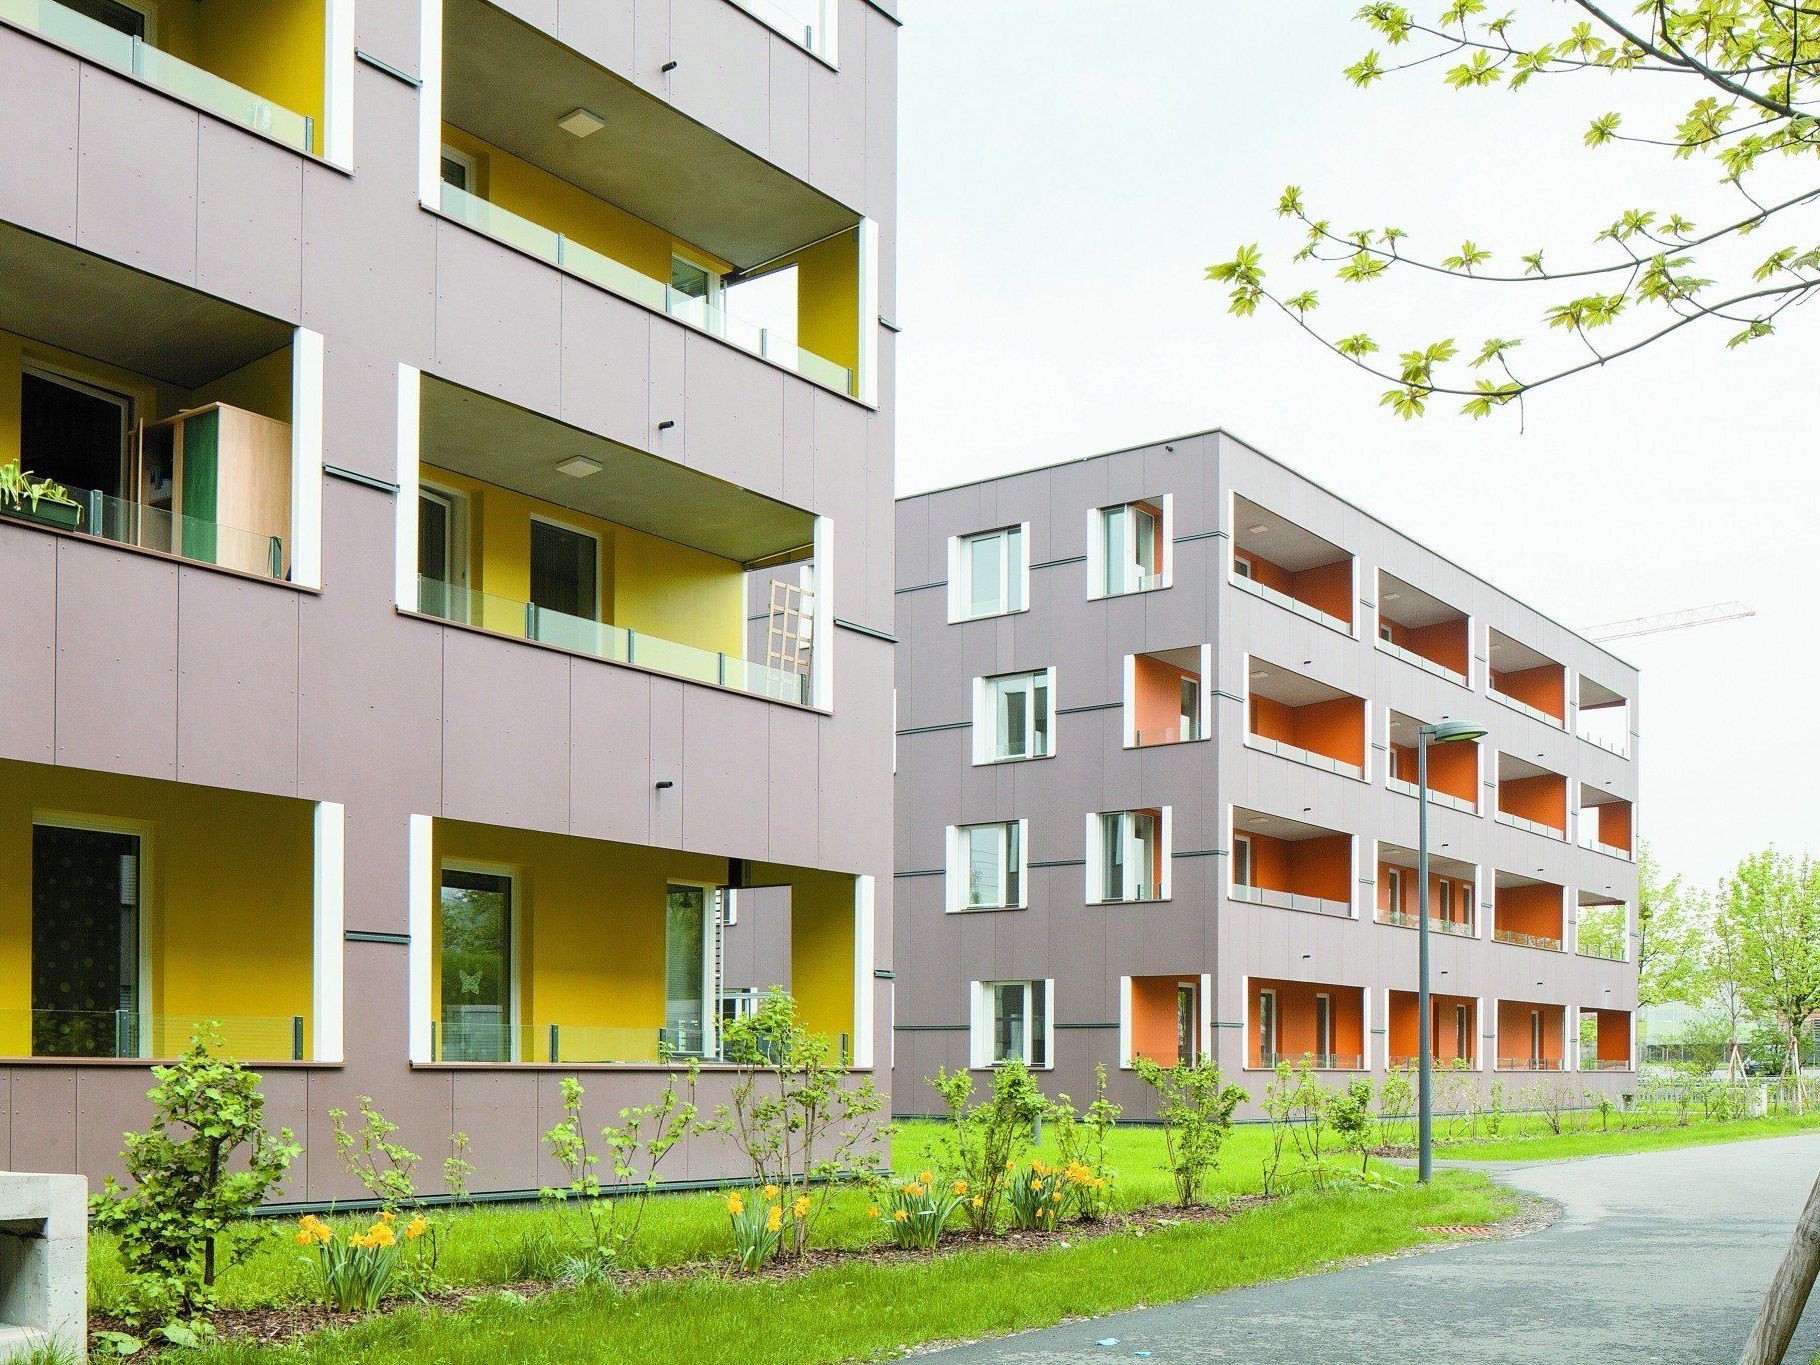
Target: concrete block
pixel 43 1263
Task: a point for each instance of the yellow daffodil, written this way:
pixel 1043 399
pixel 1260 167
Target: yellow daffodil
pixel 380 1234
pixel 901 1216
pixel 770 1192
pixel 926 1178
pixel 1056 1197
pixel 960 1187
pixel 914 1190
pixel 979 1201
pixel 774 1219
pixel 872 1212
pixel 388 1217
pixel 416 1228
pixel 801 1207
pixel 735 1205
pixel 305 1237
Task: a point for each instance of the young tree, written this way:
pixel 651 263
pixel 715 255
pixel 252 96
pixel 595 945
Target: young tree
pixel 1671 935
pixel 1770 912
pixel 1752 72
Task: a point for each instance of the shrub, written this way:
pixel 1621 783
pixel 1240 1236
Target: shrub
pixel 388 1172
pixel 205 1162
pixel 355 1272
pixel 1396 1108
pixel 757 1225
pixel 1081 1140
pixel 794 1116
pixel 1195 1108
pixel 1351 1117
pixel 917 1211
pixel 983 1141
pixel 606 1214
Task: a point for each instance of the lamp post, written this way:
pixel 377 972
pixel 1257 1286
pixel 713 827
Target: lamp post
pixel 1443 732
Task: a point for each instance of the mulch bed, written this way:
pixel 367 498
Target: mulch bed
pixel 280 1324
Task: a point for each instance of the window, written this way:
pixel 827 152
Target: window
pixel 1241 566
pixel 127 19
pixel 1267 1028
pixel 694 294
pixel 1462 1033
pixel 1323 1029
pixel 1131 543
pixel 565 567
pixel 1187 1034
pixel 1241 860
pixel 1127 857
pixel 988 574
pixel 986 866
pixel 76 433
pixel 1012 717
pixel 1385 633
pixel 736 1005
pixel 459 170
pixel 690 913
pixel 1011 1023
pixel 87 954
pixel 1535 1037
pixel 1190 716
pixel 1393 880
pixel 478 1000
pixel 441 554
pixel 1446 893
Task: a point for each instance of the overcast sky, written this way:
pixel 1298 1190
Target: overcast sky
pixel 1069 169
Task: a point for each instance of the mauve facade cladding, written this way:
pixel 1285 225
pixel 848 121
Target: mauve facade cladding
pixel 1200 930
pixel 133 664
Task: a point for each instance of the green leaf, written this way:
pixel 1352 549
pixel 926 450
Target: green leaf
pixel 1602 130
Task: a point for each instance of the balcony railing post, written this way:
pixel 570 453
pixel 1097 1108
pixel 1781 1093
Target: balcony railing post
pixel 138 57
pixel 631 645
pixel 555 1047
pixel 530 620
pixel 721 674
pixel 296 1037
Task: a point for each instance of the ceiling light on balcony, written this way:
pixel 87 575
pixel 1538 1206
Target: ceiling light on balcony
pixel 1392 596
pixel 581 122
pixel 579 467
pixel 1257 530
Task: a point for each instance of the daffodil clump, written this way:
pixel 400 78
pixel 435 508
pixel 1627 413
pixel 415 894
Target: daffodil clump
pixel 758 1225
pixel 355 1271
pixel 1037 1197
pixel 1089 1191
pixel 915 1212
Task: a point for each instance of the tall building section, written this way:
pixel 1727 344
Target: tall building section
pixel 419 388
pixel 1158 717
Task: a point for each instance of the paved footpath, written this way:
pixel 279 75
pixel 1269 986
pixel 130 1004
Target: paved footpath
pixel 1658 1256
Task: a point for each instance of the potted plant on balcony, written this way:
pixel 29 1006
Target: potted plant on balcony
pixel 43 500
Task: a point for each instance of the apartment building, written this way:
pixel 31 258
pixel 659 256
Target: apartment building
pixel 1156 764
pixel 399 399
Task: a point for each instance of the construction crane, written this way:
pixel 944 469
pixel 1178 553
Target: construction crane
pixel 1669 620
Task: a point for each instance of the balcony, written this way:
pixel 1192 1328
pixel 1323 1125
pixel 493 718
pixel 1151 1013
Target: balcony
pixel 530 528
pixel 1306 721
pixel 551 949
pixel 1528 913
pixel 562 160
pixel 1277 560
pixel 1289 1021
pixel 1531 1036
pixel 150 415
pixel 1603 717
pixel 265 74
pixel 1602 927
pixel 1451 891
pixel 1605 822
pixel 162 908
pixel 1531 798
pixel 1528 681
pixel 1453 769
pixel 1290 865
pixel 1164 1019
pixel 1605 1040
pixel 1453 1029
pixel 1166 697
pixel 1422 630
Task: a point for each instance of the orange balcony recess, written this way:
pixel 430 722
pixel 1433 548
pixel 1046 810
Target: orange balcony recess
pixel 1453 769
pixel 1528 680
pixel 1298 718
pixel 1450 891
pixel 1164 1019
pixel 1531 1036
pixel 1277 560
pixel 1531 797
pixel 1453 1029
pixel 1605 1040
pixel 1423 630
pixel 1287 1021
pixel 1604 717
pixel 1289 864
pixel 1166 696
pixel 1527 912
pixel 1605 822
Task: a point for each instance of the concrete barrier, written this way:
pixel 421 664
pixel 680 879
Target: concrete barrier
pixel 43 1264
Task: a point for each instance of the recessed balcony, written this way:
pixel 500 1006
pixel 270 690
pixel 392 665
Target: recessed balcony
pixel 1167 700
pixel 1605 1040
pixel 1453 1030
pixel 162 908
pixel 1602 927
pixel 1164 1019
pixel 1528 912
pixel 1296 717
pixel 1532 798
pixel 1531 1036
pixel 1603 717
pixel 1605 822
pixel 562 160
pixel 154 416
pixel 557 950
pixel 1452 887
pixel 1281 562
pixel 1422 630
pixel 527 527
pixel 1296 1021
pixel 1290 865
pixel 1527 680
pixel 1453 769
pixel 260 66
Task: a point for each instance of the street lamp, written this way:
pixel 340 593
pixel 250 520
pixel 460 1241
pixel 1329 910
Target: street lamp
pixel 1443 732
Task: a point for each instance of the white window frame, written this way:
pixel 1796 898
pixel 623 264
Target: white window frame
pixel 1242 566
pixel 1242 841
pixel 959 865
pixel 1096 856
pixel 515 938
pixel 1097 548
pixel 710 955
pixel 1014 572
pixel 1393 883
pixel 470 168
pixel 985 717
pixel 569 526
pixel 1267 1027
pixel 1323 1027
pixel 983 1023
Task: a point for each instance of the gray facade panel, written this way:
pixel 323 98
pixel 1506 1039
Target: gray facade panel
pixel 38 126
pixel 116 661
pixel 28 683
pixel 136 187
pixel 249 220
pixel 237 665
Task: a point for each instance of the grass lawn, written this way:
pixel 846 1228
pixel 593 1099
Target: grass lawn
pixel 1530 1139
pixel 868 1311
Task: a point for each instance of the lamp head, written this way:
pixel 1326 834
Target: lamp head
pixel 1453 731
